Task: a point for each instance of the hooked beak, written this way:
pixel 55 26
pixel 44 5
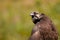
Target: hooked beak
pixel 31 14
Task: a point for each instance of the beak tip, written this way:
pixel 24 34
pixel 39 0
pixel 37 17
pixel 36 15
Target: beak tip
pixel 31 14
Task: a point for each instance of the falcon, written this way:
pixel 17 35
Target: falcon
pixel 44 29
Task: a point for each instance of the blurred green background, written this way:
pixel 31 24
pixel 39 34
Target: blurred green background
pixel 15 20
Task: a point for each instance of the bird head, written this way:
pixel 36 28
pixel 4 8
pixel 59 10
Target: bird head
pixel 36 16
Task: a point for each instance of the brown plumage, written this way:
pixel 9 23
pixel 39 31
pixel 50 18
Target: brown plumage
pixel 44 29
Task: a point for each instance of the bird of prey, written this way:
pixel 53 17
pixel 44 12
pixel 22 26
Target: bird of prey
pixel 44 28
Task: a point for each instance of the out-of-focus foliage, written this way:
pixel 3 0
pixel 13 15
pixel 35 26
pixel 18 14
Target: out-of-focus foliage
pixel 15 20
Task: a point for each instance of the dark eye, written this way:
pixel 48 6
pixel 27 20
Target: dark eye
pixel 32 16
pixel 35 13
